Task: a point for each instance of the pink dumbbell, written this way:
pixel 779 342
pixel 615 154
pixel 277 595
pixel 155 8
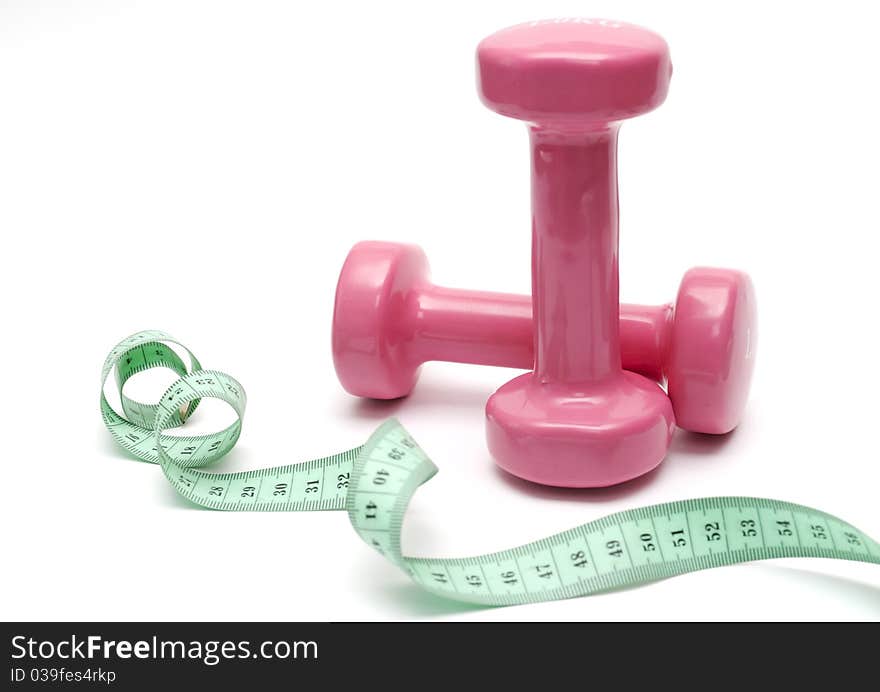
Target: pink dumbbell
pixel 388 319
pixel 578 420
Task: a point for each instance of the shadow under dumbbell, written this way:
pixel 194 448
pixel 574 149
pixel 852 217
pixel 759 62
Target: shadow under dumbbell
pixel 375 409
pixel 685 442
pixel 609 494
pixel 430 394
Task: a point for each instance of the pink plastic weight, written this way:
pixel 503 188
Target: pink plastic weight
pixel 578 420
pixel 389 319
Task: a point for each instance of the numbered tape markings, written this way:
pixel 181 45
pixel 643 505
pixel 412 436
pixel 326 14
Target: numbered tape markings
pixel 374 482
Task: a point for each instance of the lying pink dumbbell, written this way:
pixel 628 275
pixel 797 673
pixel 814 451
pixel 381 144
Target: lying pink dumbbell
pixel 578 420
pixel 389 319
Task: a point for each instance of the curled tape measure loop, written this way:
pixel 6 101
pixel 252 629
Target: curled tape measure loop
pixel 375 482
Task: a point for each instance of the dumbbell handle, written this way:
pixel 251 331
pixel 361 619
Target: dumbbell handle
pixel 487 328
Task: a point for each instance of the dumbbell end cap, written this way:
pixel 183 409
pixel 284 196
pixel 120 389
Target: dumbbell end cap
pixel 562 71
pixel 552 433
pixel 712 349
pixel 372 318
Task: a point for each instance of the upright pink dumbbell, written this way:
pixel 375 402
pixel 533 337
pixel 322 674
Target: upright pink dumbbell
pixel 388 319
pixel 578 420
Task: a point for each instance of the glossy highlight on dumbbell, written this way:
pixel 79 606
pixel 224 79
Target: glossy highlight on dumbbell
pixel 389 318
pixel 579 419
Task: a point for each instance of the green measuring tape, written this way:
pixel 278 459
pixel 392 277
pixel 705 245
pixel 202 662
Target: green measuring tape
pixel 375 482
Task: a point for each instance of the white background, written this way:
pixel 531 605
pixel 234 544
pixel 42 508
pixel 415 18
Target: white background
pixel 203 168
